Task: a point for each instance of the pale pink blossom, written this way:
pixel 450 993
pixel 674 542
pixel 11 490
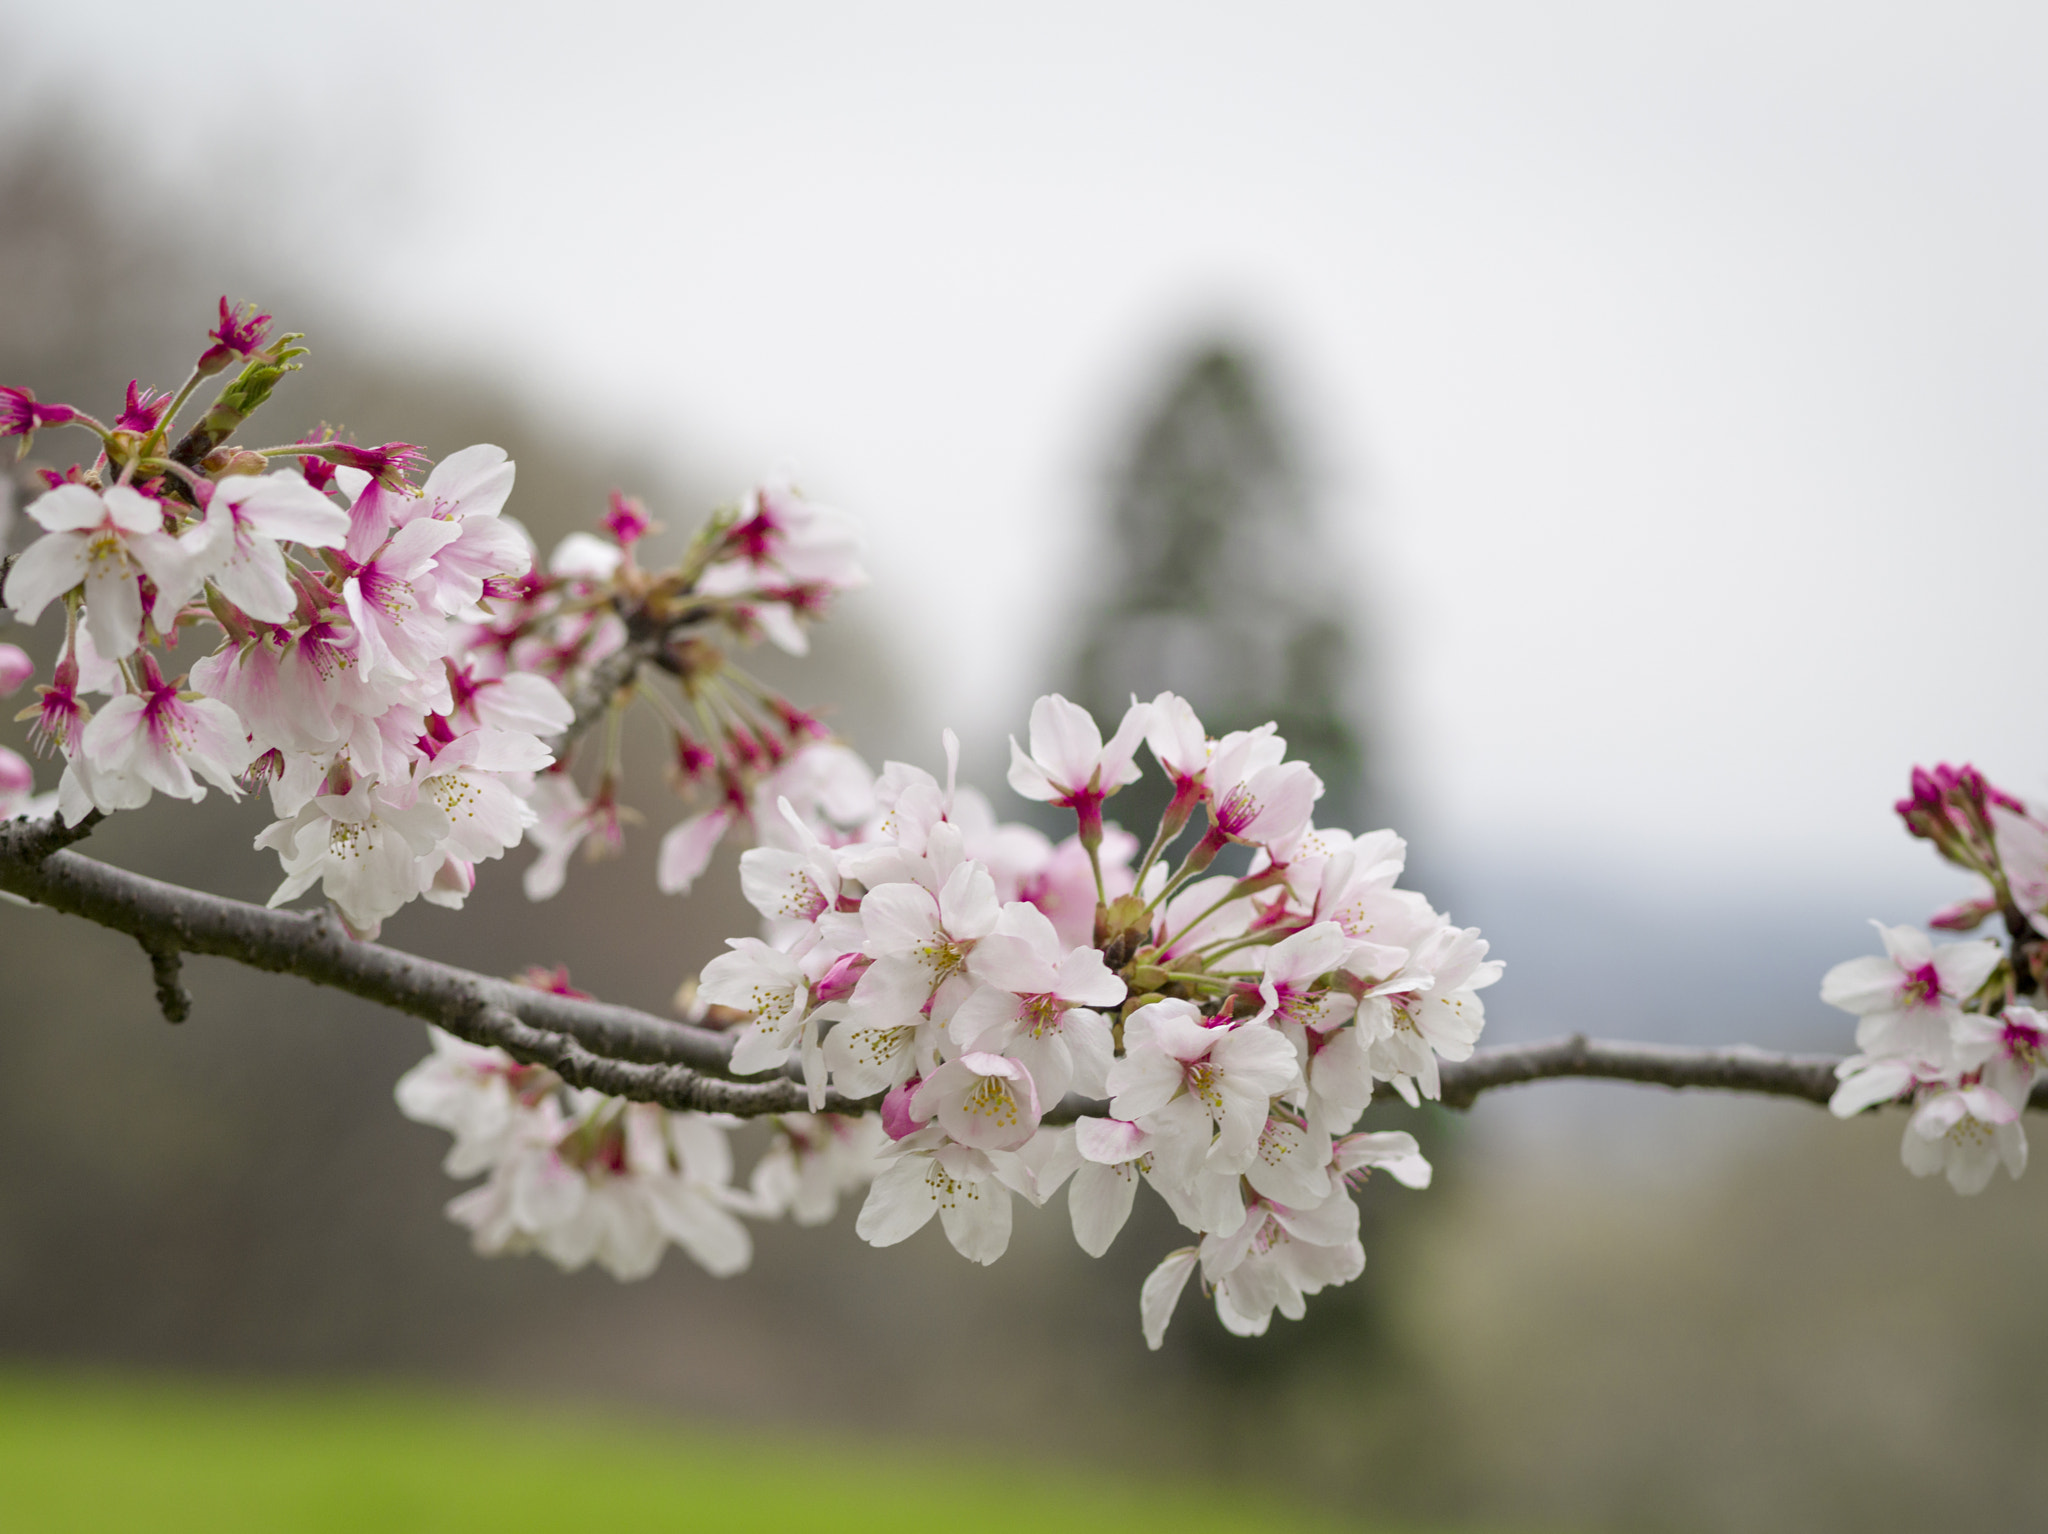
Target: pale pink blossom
pixel 17 783
pixel 783 541
pixel 402 632
pixel 958 1183
pixel 1179 743
pixel 687 847
pixel 586 557
pixel 1034 1003
pixel 106 541
pixel 1357 1156
pixel 1908 1001
pixel 1965 1132
pixel 565 820
pixel 1254 799
pixel 1288 988
pixel 247 518
pixel 1278 1257
pixel 788 884
pixel 1442 1020
pixel 984 1100
pixel 160 739
pixel 1069 765
pixel 466 491
pixel 362 847
pixel 768 984
pixel 814 1159
pixel 1176 1071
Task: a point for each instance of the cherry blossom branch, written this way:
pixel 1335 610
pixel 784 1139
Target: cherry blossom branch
pixel 633 1054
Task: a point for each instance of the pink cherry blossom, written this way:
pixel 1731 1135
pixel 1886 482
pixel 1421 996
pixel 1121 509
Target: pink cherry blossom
pixel 1069 765
pixel 162 740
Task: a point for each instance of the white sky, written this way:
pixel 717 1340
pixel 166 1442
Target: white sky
pixel 1678 373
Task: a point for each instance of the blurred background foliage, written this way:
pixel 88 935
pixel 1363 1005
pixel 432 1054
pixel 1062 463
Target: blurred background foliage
pixel 1614 1310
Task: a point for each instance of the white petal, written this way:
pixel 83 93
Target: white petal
pixel 1162 1292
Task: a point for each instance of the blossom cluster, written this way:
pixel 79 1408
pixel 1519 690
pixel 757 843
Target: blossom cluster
pixel 1943 1027
pixel 1025 1016
pixel 385 659
pixel 1216 1036
pixel 583 1177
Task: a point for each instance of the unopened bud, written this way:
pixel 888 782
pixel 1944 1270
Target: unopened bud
pixel 555 982
pixel 1964 916
pixel 15 669
pixel 626 519
pixel 17 778
pixel 896 1119
pixel 224 461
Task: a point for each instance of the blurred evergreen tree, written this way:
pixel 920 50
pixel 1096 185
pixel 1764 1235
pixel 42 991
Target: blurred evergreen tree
pixel 1217 584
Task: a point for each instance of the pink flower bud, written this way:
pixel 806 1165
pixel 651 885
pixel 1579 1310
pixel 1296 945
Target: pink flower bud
pixel 391 463
pixel 15 669
pixel 554 981
pixel 896 1119
pixel 1964 916
pixel 626 519
pixel 319 474
pixel 838 982
pixel 17 778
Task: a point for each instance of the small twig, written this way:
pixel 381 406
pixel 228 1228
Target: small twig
pixel 167 965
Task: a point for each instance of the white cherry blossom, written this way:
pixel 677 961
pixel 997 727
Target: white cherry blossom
pixel 815 1159
pixel 237 546
pixel 158 739
pixel 984 1100
pixel 105 541
pixel 1966 1133
pixel 1034 1003
pixel 1909 1000
pixel 1177 1071
pixel 1069 764
pixel 958 1183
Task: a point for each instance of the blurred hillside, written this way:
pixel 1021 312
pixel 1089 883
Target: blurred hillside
pixel 1616 1310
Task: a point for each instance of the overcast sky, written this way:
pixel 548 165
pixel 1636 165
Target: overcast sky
pixel 1677 376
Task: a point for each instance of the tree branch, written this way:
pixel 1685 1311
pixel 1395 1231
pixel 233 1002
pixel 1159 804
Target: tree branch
pixel 634 1054
pixel 315 947
pixel 1733 1068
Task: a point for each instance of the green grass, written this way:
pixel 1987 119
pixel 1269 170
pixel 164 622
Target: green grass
pixel 164 1457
